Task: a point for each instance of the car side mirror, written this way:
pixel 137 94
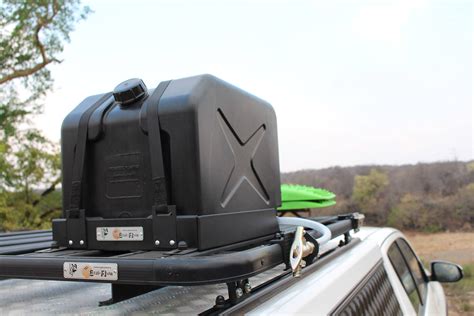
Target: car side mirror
pixel 443 271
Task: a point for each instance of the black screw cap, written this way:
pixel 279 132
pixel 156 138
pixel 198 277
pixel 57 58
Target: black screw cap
pixel 130 91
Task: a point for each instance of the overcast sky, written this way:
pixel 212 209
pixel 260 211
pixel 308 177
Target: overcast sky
pixel 352 82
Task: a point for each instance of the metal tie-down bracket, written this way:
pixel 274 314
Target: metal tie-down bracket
pixel 301 248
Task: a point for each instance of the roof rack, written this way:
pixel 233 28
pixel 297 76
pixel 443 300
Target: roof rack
pixel 17 243
pixel 29 255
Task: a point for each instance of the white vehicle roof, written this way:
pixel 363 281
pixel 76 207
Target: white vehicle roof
pixel 326 284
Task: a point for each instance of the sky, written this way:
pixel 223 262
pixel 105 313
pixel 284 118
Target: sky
pixel 352 82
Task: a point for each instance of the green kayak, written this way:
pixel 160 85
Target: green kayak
pixel 299 197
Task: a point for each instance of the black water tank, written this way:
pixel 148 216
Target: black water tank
pixel 219 147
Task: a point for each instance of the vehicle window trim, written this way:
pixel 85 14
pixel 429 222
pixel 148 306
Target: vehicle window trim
pixel 409 270
pixel 420 267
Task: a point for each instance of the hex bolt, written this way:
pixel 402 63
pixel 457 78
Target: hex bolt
pixel 70 242
pixel 81 242
pixel 239 292
pixel 172 242
pixel 247 288
pixel 157 242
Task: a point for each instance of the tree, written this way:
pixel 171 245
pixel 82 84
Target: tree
pixel 32 35
pixel 368 192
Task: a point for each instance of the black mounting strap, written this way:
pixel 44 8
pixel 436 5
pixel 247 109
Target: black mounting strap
pixel 154 140
pixel 80 154
pixel 163 215
pixel 75 216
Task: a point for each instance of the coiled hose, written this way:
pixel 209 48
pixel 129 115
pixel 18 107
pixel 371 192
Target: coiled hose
pixel 296 221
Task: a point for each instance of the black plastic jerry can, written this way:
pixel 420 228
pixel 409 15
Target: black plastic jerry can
pixel 193 161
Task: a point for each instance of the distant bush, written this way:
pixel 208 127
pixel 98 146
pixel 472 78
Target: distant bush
pixel 17 214
pixel 427 197
pixel 369 193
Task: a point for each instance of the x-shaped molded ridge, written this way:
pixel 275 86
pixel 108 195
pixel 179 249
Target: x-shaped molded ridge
pixel 243 152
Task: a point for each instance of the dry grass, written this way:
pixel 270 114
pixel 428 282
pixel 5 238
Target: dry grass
pixel 457 248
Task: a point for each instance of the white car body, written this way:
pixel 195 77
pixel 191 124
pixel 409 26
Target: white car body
pixel 322 290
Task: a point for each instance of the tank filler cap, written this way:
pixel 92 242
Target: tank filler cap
pixel 129 91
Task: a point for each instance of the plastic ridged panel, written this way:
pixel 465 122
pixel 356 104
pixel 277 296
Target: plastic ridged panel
pixel 374 296
pixel 300 197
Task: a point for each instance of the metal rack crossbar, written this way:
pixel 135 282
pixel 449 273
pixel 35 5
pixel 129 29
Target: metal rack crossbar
pixel 29 255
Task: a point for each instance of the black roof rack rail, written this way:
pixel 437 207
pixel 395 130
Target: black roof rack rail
pixel 31 256
pixel 17 243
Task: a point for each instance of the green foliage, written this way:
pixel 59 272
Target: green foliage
pixel 436 212
pixel 425 197
pixel 15 213
pixel 31 163
pixel 470 166
pixel 413 212
pixel 368 191
pixel 460 290
pixel 463 203
pixel 369 187
pixel 32 35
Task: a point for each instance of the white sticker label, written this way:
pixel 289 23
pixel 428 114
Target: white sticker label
pixel 130 233
pixel 90 271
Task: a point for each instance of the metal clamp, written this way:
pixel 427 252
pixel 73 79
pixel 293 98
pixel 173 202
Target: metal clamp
pixel 165 227
pixel 358 220
pixel 76 229
pixel 299 250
